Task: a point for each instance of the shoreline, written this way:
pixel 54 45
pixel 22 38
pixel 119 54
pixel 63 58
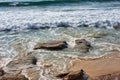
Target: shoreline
pixel 106 67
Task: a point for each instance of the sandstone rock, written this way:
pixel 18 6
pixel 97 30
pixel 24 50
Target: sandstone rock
pixel 33 74
pixel 1 72
pixel 14 77
pixel 15 66
pixel 114 76
pixel 52 45
pixel 25 60
pixel 47 65
pixel 78 75
pixel 83 45
pixel 102 68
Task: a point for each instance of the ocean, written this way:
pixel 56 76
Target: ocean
pixel 23 23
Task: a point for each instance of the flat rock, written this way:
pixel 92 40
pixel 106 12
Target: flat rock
pixel 17 65
pixel 52 45
pixel 23 61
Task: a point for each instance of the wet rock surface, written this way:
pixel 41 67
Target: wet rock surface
pixel 75 75
pixel 13 77
pixel 33 74
pixel 83 45
pixel 112 76
pixel 52 45
pixel 28 60
pixel 17 65
pixel 117 27
pixel 62 75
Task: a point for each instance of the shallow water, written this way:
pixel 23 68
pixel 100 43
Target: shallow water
pixel 25 40
pixel 21 42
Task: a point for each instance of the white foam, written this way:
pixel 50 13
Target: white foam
pixel 35 17
pixel 4 61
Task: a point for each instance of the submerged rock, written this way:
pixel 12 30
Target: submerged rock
pixel 83 45
pixel 17 65
pixel 117 27
pixel 63 24
pixel 52 45
pixel 13 77
pixel 99 35
pixel 23 61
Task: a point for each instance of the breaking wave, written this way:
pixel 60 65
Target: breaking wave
pixel 99 24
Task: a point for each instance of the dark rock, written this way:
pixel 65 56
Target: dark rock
pixel 79 41
pixel 116 27
pixel 52 45
pixel 77 75
pixel 83 45
pixel 1 72
pixel 62 75
pixel 74 76
pixel 63 24
pixel 14 77
pixel 33 60
pixel 83 25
